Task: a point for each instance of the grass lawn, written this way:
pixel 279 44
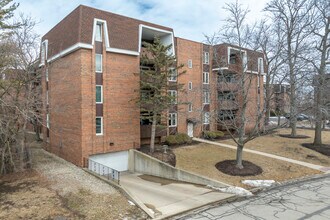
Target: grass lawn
pixel 290 148
pixel 201 159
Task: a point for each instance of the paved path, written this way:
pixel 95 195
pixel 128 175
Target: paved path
pixel 312 166
pixel 309 199
pixel 165 197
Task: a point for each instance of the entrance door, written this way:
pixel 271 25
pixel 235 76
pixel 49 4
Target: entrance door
pixel 190 128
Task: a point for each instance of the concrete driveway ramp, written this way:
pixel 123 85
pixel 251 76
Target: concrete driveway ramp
pixel 165 197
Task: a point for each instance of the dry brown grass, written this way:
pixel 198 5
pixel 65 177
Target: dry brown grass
pixel 201 159
pixel 290 148
pixel 56 188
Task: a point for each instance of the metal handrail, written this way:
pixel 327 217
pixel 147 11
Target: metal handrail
pixel 102 170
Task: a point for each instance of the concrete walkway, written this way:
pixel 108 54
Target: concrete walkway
pixel 309 165
pixel 165 197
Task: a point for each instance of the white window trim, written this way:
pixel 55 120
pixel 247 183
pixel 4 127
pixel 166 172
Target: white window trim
pixel 99 71
pixel 190 85
pixel 98 134
pixel 105 31
pixel 206 55
pixel 176 119
pixel 190 64
pixel 261 65
pixel 47 120
pixel 101 94
pixel 206 122
pixel 175 94
pixel 98 28
pixel 47 97
pixel 46 74
pixel 206 100
pixel 239 50
pixel 176 75
pixel 44 53
pixel 190 107
pixel 142 26
pixel 206 75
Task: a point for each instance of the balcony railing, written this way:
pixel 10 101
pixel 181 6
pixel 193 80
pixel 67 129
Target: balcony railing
pixel 102 170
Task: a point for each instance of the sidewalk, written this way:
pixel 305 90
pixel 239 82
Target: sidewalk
pixel 309 165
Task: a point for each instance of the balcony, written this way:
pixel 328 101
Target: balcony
pixel 227 105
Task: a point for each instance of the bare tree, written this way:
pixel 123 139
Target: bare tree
pixel 293 17
pixel 19 96
pixel 235 90
pixel 318 57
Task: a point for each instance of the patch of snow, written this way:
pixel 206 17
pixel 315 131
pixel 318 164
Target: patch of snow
pixel 233 189
pixel 259 183
pixel 131 203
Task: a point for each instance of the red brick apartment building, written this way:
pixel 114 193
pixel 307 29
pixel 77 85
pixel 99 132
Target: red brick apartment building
pixel 89 62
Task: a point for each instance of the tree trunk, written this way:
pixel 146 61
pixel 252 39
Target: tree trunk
pixel 318 118
pixel 239 157
pixel 153 133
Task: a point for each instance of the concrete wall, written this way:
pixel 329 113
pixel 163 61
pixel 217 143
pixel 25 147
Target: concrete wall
pixel 116 160
pixel 143 163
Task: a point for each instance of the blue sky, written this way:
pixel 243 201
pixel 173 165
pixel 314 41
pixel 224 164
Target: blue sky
pixel 190 19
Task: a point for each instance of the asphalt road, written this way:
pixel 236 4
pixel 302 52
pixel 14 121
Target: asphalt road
pixel 308 199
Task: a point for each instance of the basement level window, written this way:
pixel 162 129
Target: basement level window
pixel 99 125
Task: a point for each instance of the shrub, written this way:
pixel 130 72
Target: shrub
pixel 212 134
pixel 178 139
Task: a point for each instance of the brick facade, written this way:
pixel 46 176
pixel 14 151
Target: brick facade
pixel 72 84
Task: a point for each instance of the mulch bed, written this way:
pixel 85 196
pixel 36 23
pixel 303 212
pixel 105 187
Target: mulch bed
pixel 298 136
pixel 323 149
pixel 229 167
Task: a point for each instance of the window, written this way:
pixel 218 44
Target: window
pixel 173 75
pixel 173 94
pixel 47 97
pixel 227 78
pixel 99 125
pixel 172 120
pixel 46 73
pixel 189 107
pixel 98 63
pixel 206 118
pixel 190 85
pixel 99 94
pixel 227 114
pixel 226 95
pixel 3 76
pixel 43 52
pixel 206 58
pixel 190 63
pixel 206 77
pixel 260 65
pixel 47 120
pixel 98 32
pixel 206 97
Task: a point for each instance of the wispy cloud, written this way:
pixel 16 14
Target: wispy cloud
pixel 189 18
